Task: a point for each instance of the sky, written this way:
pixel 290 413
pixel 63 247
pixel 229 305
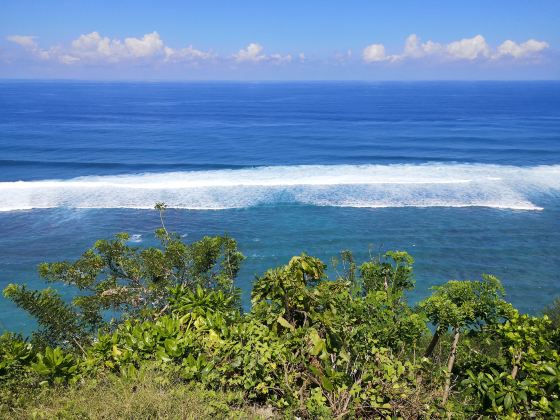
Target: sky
pixel 280 40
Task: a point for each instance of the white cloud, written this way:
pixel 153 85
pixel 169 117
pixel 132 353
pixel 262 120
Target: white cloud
pixel 187 54
pixel 25 41
pixel 469 49
pixel 28 43
pixel 527 48
pixel 254 53
pixel 148 45
pixel 279 59
pixel 374 52
pixel 94 47
pixel 415 49
pixel 251 53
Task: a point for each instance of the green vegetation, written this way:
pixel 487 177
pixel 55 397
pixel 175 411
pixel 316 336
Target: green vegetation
pixel 159 332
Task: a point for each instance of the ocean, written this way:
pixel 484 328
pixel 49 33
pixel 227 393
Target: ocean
pixel 465 176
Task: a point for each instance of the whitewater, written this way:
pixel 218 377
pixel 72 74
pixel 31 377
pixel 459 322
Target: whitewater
pixel 375 186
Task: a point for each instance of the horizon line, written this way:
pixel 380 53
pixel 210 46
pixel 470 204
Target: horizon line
pixel 14 79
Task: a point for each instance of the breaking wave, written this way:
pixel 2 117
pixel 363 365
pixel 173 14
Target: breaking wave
pixel 399 185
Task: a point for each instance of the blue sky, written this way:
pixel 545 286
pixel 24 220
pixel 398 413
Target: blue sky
pixel 308 40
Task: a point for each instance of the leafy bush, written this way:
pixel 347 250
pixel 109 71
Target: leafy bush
pixel 309 347
pixel 55 366
pixel 15 355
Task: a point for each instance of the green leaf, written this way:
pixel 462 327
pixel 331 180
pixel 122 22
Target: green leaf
pixel 507 401
pixel 327 384
pixel 282 321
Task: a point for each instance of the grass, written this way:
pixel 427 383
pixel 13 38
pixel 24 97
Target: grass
pixel 152 396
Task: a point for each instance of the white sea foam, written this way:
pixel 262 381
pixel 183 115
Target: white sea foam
pixel 136 238
pixel 402 185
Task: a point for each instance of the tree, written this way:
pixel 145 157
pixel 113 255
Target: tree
pixel 462 305
pixel 525 337
pixel 123 280
pixel 286 289
pixel 391 273
pixel 58 321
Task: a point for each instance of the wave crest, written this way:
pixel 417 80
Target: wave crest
pixel 402 185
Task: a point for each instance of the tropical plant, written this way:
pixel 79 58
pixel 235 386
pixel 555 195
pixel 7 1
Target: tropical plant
pixel 118 279
pixel 15 354
pixel 56 366
pixel 309 347
pixel 462 305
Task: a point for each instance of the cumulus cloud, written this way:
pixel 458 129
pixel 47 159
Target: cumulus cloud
pixel 469 48
pixel 374 52
pixel 96 48
pixel 93 47
pixel 254 53
pixel 466 49
pixel 414 48
pixel 527 48
pixel 148 45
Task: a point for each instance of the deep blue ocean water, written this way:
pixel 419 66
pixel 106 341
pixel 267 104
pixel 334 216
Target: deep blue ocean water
pixel 463 175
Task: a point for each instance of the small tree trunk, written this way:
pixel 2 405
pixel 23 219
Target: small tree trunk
pixel 514 371
pixel 432 344
pixel 429 351
pixel 450 364
pixel 516 362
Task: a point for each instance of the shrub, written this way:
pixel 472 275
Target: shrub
pixel 309 347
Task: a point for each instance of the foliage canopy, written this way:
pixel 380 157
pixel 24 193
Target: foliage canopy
pixel 309 346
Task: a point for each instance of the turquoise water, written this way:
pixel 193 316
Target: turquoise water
pixel 464 176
